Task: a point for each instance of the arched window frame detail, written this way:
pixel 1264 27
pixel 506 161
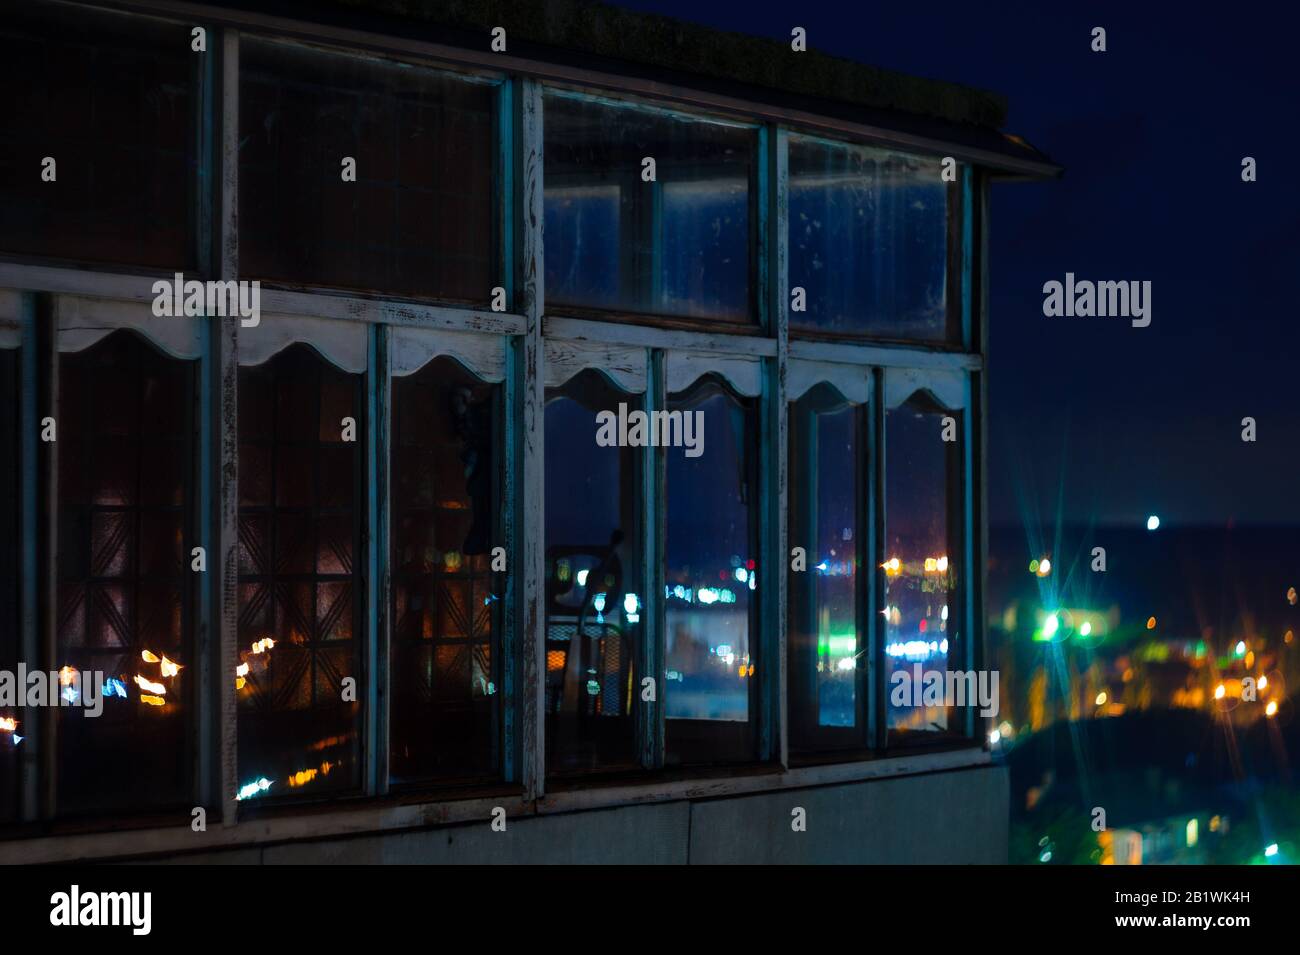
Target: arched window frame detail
pixel 853 382
pixel 345 345
pixel 83 321
pixel 949 389
pixel 624 366
pixel 410 349
pixel 743 373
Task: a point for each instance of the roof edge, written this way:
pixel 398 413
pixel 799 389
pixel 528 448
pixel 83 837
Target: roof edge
pixel 646 39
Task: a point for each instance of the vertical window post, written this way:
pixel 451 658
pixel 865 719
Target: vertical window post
pixel 506 211
pixel 973 444
pixel 508 158
pixel 225 353
pixel 972 576
pixel 977 439
pixel 875 633
pixel 525 435
pixel 378 619
pixel 653 515
pixel 46 346
pixel 36 361
pixel 208 105
pixel 774 278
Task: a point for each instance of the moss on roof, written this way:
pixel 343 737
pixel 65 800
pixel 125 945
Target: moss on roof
pixel 599 29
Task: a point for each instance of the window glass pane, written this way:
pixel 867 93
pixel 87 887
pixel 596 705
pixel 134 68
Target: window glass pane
pixel 711 578
pixel 922 520
pixel 110 99
pixel 301 502
pixel 869 242
pixel 827 482
pixel 125 443
pixel 679 245
pixel 446 669
pixel 11 718
pixel 419 218
pixel 594 599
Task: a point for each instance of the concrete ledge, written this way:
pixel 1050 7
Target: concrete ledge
pixel 957 817
pixel 375 820
pixel 647 835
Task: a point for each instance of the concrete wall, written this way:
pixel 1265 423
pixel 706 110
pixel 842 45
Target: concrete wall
pixel 949 817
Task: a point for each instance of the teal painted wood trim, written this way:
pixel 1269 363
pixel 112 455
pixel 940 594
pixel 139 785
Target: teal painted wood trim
pixel 524 648
pixel 879 530
pixel 506 161
pixel 377 511
pixel 973 574
pixel 651 716
pixel 206 637
pixel 30 524
pixel 207 138
pixel 774 450
pixel 967 257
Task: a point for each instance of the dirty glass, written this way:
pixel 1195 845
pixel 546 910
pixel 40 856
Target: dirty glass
pixel 594 597
pixel 126 438
pixel 419 218
pixel 711 580
pixel 827 469
pixel 446 599
pixel 868 242
pixel 110 100
pixel 680 244
pixel 923 506
pixel 301 502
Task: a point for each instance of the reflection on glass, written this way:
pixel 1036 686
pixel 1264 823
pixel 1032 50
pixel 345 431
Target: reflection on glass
pixel 711 576
pixel 10 573
pixel 593 597
pixel 678 245
pixel 125 503
pixel 827 477
pixel 869 241
pixel 301 501
pixel 111 99
pixel 922 517
pixel 419 218
pixel 446 605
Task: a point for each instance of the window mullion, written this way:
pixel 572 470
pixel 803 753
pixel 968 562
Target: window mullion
pixel 225 354
pixel 978 422
pixel 526 431
pixel 48 521
pixel 38 357
pixel 654 516
pixel 774 463
pixel 378 618
pixel 207 238
pixel 207 636
pixel 875 633
pixel 967 260
pixel 973 571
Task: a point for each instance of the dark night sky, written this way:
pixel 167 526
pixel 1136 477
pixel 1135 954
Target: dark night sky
pixel 1090 418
